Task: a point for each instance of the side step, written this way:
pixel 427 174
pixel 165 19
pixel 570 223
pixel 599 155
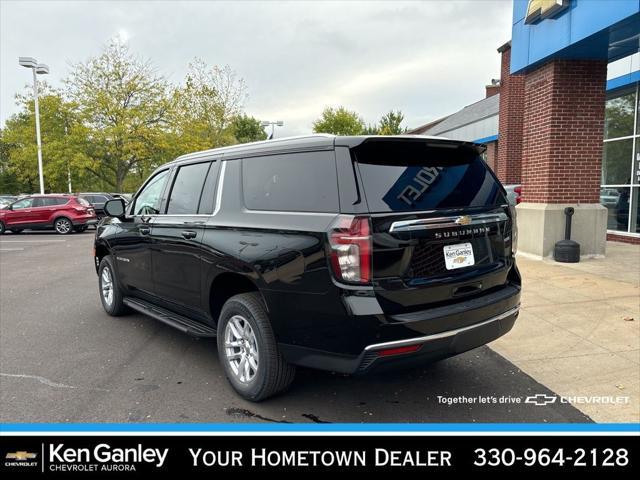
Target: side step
pixel 184 324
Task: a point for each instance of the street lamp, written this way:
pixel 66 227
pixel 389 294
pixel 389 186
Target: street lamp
pixel 37 69
pixel 266 123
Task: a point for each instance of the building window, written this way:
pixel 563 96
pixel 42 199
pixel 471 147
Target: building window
pixel 620 185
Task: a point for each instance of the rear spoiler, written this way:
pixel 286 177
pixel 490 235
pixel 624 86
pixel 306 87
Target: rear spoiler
pixel 354 142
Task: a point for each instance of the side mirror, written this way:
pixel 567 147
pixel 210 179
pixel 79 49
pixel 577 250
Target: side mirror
pixel 114 208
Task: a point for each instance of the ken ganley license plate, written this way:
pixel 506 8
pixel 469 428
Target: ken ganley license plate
pixel 458 256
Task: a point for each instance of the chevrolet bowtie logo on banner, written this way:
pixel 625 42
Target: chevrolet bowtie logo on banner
pixel 542 9
pixel 541 399
pixel 21 456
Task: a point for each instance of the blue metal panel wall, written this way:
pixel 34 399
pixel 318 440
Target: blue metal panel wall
pixel 587 29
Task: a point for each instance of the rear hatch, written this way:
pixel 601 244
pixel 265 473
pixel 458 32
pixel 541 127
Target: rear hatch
pixel 440 222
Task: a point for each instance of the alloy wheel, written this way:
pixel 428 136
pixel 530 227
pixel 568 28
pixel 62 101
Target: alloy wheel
pixel 106 285
pixel 63 225
pixel 241 348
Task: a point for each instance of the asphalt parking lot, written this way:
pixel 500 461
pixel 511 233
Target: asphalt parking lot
pixel 62 359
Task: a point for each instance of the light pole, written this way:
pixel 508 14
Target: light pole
pixel 266 123
pixel 37 69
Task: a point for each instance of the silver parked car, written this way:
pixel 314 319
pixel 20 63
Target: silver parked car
pixel 513 193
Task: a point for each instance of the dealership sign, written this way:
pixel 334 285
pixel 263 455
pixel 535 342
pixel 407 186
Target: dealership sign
pixel 542 9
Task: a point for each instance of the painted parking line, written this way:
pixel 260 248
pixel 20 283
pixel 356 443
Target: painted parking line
pixel 31 241
pixel 11 249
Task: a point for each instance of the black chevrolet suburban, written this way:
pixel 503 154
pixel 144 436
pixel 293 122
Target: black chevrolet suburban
pixel 349 254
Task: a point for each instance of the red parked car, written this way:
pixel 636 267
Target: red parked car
pixel 63 213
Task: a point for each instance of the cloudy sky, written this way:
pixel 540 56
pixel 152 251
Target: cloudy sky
pixel 427 58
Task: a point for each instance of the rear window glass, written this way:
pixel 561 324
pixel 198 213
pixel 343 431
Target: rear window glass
pixel 300 182
pixel 187 188
pixel 413 176
pixel 82 201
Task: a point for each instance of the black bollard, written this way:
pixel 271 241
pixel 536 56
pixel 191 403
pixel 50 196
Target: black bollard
pixel 567 251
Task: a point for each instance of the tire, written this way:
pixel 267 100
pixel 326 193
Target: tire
pixel 80 228
pixel 113 304
pixel 16 230
pixel 273 374
pixel 1 228
pixel 63 225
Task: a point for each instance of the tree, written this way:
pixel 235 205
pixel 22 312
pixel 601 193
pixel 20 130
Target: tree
pixel 390 123
pixel 206 106
pixel 247 129
pixel 371 130
pixel 9 182
pixel 18 142
pixel 122 106
pixel 339 121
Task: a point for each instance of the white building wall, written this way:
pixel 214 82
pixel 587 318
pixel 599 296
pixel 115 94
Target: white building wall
pixel 487 127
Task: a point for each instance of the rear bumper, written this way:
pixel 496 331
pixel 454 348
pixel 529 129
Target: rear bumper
pixel 85 221
pixel 439 345
pixel 430 334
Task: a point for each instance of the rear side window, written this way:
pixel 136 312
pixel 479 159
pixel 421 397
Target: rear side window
pixel 187 189
pixel 414 176
pixel 207 200
pixel 83 201
pixel 303 182
pixel 50 201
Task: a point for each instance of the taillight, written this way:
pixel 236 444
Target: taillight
pixel 350 240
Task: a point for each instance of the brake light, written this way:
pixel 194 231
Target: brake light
pixel 350 240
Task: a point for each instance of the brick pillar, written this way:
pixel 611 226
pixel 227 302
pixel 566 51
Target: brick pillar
pixel 492 152
pixel 511 120
pixel 564 115
pixel 562 155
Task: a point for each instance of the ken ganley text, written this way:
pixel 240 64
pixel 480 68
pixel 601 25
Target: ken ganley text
pixel 103 457
pixel 262 457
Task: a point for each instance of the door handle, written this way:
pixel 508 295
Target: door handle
pixel 144 230
pixel 189 234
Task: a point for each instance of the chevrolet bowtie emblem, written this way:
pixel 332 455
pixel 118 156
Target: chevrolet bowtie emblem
pixel 463 220
pixel 541 399
pixel 540 9
pixel 21 455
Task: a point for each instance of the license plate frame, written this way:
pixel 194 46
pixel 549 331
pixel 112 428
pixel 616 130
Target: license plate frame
pixel 458 255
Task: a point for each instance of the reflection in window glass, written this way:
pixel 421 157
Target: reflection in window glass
pixel 635 211
pixel 148 201
pixel 616 157
pixel 302 182
pixel 636 164
pixel 621 162
pixel 24 203
pixel 187 187
pixel 619 116
pixel 616 200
